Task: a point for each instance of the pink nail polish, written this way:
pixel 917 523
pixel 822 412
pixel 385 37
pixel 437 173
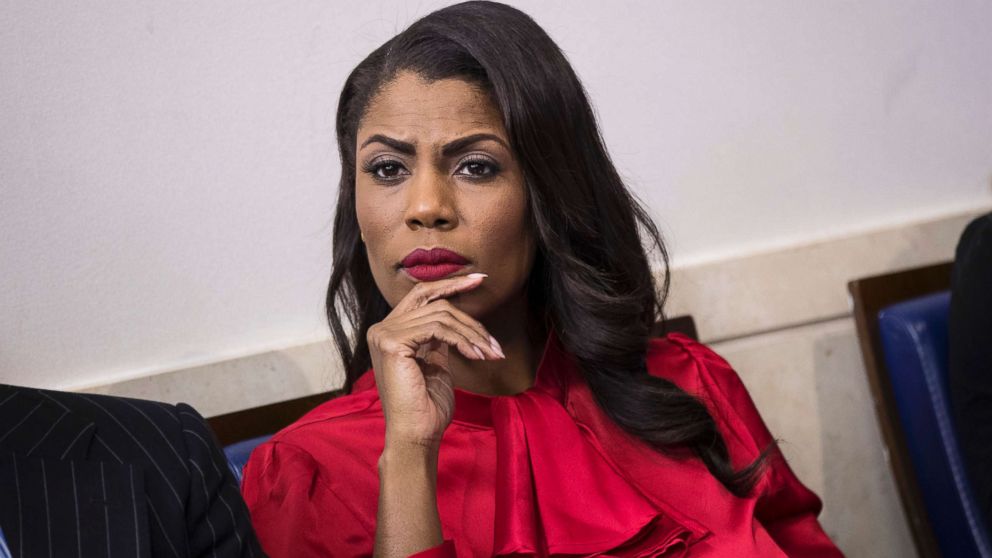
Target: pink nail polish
pixel 495 346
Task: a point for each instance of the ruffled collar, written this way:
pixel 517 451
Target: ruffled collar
pixel 557 491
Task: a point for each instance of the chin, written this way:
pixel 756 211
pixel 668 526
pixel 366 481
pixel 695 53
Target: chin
pixel 471 303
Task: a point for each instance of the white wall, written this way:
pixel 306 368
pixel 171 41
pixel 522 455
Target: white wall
pixel 168 171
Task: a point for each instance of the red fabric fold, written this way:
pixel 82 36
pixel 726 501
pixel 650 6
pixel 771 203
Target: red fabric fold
pixel 557 495
pixel 443 550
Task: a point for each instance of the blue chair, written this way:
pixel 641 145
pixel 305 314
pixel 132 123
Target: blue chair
pixel 238 453
pixel 4 550
pixel 914 340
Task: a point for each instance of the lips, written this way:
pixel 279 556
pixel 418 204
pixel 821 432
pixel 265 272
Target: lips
pixel 433 264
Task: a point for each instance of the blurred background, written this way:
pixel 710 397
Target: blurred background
pixel 168 174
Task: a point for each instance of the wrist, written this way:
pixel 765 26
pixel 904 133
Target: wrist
pixel 408 456
pixel 410 443
pixel 407 520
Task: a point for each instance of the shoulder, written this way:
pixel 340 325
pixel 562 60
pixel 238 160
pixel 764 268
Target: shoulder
pixel 111 408
pixel 700 371
pixel 345 433
pixel 974 247
pixel 125 421
pixel 691 365
pixel 151 435
pixel 322 469
pixel 167 437
pixel 978 228
pixel 173 439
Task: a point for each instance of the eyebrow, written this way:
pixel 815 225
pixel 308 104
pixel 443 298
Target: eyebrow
pixel 448 149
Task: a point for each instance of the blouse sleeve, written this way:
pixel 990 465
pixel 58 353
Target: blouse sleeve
pixel 296 513
pixel 294 510
pixel 785 507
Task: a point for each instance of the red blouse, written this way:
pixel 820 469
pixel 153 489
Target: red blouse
pixel 540 473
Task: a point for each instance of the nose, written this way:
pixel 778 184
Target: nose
pixel 430 203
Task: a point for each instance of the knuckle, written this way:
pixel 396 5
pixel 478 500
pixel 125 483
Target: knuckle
pixel 420 291
pixel 389 346
pixel 440 330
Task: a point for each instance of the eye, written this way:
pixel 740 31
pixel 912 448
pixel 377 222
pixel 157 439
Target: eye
pixel 385 170
pixel 478 168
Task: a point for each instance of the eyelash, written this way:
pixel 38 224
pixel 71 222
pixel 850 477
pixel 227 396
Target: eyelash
pixel 373 167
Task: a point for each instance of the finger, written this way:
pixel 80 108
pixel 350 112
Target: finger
pixel 433 348
pixel 472 323
pixel 481 341
pixel 427 291
pixel 435 353
pixel 419 334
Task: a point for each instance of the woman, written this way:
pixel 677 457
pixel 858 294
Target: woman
pixel 488 258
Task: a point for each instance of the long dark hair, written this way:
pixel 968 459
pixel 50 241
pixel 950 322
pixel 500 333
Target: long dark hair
pixel 591 277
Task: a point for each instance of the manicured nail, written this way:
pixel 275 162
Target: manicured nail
pixel 476 275
pixel 479 352
pixel 495 346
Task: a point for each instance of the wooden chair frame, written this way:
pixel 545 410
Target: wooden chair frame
pixel 870 295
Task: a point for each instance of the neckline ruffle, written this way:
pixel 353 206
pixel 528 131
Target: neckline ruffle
pixel 557 493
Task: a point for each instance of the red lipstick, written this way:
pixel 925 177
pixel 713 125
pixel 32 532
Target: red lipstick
pixel 433 264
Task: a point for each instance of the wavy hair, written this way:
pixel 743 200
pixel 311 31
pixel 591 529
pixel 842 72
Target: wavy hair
pixel 591 278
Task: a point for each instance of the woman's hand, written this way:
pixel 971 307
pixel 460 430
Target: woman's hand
pixel 409 351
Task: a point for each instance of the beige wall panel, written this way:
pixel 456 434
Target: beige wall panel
pixel 242 383
pixel 767 291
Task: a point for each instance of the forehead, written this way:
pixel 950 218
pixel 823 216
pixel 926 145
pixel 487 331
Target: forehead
pixel 413 108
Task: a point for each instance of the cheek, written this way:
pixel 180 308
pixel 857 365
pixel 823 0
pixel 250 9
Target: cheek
pixel 364 209
pixel 507 233
pixel 373 217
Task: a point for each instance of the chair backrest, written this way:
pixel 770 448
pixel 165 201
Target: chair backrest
pixel 914 338
pixel 678 324
pixel 869 296
pixel 238 453
pixel 265 420
pixel 4 549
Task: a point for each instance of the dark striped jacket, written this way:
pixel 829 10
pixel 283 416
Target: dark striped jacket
pixel 92 475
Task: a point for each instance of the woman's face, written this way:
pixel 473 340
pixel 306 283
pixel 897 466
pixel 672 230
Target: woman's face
pixel 435 171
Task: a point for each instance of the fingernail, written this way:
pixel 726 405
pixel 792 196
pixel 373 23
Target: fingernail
pixel 479 352
pixel 476 275
pixel 495 346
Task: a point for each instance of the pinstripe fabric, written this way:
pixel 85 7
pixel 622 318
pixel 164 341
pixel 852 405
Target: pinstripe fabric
pixel 89 475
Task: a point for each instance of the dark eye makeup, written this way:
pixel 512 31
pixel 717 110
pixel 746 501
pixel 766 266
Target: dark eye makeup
pixel 478 167
pixel 386 170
